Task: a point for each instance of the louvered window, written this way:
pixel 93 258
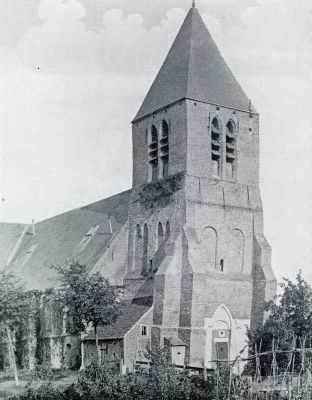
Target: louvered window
pixel 216 147
pixel 153 154
pixel 164 148
pixel 158 152
pixel 230 150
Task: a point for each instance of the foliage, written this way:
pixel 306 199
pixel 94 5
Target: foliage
pixel 288 326
pixel 160 192
pixel 45 392
pixel 89 298
pixel 14 304
pixel 102 383
pixel 41 372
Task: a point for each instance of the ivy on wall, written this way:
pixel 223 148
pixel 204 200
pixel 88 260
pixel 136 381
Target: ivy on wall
pixel 160 193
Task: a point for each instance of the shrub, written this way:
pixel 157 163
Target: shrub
pixel 40 373
pixel 44 392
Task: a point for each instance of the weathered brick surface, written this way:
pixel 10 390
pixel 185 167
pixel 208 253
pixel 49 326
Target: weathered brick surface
pixel 159 291
pixel 206 270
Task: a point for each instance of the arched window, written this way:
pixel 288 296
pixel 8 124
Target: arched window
pixel 209 247
pixel 235 257
pixel 138 247
pixel 145 248
pixel 230 150
pixel 153 154
pixel 216 147
pixel 160 234
pixel 138 232
pixel 164 148
pixel 167 235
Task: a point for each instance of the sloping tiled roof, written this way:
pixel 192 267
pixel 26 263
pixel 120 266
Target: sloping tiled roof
pixel 9 236
pixel 63 239
pixel 194 69
pixel 130 314
pixel 176 342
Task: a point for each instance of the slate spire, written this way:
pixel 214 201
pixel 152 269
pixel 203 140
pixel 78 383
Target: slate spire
pixel 194 69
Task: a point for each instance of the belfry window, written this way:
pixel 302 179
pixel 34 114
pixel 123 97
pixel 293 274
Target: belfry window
pixel 164 149
pixel 153 154
pixel 158 152
pixel 230 150
pixel 216 147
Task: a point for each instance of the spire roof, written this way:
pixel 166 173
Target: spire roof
pixel 194 69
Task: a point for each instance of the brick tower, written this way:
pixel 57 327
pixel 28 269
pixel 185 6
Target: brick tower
pixel 195 218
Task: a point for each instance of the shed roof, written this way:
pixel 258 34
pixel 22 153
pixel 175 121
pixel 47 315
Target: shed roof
pixel 194 69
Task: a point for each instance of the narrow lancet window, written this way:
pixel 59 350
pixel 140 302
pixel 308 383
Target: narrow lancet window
pixel 153 154
pixel 138 247
pixel 216 147
pixel 167 235
pixel 230 150
pixel 160 234
pixel 164 148
pixel 145 248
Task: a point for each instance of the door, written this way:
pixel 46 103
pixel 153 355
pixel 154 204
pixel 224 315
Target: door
pixel 222 351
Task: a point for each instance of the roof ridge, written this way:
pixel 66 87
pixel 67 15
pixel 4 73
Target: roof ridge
pixel 190 51
pixel 81 207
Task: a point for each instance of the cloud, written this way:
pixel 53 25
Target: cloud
pixel 123 44
pixel 62 44
pixel 272 38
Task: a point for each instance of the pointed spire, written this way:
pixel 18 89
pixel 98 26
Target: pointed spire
pixel 194 69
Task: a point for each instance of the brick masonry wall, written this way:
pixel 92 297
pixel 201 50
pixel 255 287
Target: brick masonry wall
pixel 191 284
pixel 176 117
pixel 199 118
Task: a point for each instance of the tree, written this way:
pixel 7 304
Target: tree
pixel 14 310
pixel 89 299
pixel 288 327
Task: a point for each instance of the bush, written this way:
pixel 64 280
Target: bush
pixel 44 392
pixel 40 373
pixel 159 382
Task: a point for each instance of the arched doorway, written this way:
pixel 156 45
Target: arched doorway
pixel 218 337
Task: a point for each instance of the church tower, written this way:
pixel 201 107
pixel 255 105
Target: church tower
pixel 195 219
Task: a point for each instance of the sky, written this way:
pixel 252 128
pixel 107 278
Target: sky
pixel 74 73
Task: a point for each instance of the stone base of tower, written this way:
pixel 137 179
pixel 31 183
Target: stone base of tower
pixel 206 314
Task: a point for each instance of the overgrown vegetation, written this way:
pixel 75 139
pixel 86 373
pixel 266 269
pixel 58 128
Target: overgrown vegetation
pixel 14 313
pixel 279 364
pixel 90 299
pixel 159 382
pixel 284 342
pixel 161 191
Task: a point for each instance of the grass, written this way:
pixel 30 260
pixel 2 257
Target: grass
pixel 8 388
